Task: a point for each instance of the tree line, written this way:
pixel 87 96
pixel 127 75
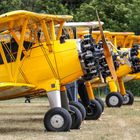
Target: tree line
pixel 118 15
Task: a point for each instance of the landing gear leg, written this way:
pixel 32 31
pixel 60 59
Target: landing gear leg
pixel 57 118
pixel 113 99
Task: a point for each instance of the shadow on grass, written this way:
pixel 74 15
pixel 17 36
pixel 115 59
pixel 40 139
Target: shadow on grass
pixel 21 113
pixel 16 130
pixel 22 120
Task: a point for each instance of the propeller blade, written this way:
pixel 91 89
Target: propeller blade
pixel 107 53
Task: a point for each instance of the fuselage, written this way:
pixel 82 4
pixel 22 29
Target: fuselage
pixel 41 67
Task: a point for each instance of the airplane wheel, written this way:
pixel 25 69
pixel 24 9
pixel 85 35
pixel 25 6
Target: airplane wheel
pixel 27 100
pixel 101 103
pixel 94 110
pixel 57 119
pixel 76 117
pixel 114 99
pixel 80 107
pixel 128 98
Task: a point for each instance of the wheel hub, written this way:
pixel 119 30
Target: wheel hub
pixel 57 121
pixel 126 99
pixel 113 100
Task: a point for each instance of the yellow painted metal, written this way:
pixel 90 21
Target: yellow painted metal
pixel 5 62
pixel 123 39
pixel 89 90
pixel 121 85
pixel 67 60
pixel 60 30
pixel 98 38
pixel 137 76
pixel 63 88
pixel 20 49
pixel 139 53
pixel 115 43
pixel 52 30
pixel 130 43
pixel 19 15
pixel 46 33
pixel 95 34
pixel 124 43
pixel 129 77
pixel 123 70
pixel 112 85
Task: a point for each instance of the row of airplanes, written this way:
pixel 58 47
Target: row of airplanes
pixel 43 55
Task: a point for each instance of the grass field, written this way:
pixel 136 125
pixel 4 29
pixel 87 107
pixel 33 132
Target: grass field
pixel 20 121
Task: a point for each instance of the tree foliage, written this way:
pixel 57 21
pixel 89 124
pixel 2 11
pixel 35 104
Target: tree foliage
pixel 120 15
pixel 51 7
pixel 115 14
pixel 134 87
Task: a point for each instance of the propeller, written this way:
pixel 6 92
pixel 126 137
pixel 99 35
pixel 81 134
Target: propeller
pixel 107 53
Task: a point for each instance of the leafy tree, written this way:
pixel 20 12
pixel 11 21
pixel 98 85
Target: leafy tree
pixel 11 5
pixel 134 17
pixel 115 14
pixel 72 5
pixel 51 7
pixel 134 87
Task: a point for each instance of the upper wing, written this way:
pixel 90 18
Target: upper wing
pixel 93 24
pixel 15 19
pixel 14 90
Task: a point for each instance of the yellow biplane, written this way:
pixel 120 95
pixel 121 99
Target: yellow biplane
pixel 32 57
pixel 35 57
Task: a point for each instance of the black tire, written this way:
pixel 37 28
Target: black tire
pixel 80 107
pixel 93 111
pixel 76 117
pixel 129 98
pixel 61 113
pixel 114 99
pixel 27 100
pixel 101 103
